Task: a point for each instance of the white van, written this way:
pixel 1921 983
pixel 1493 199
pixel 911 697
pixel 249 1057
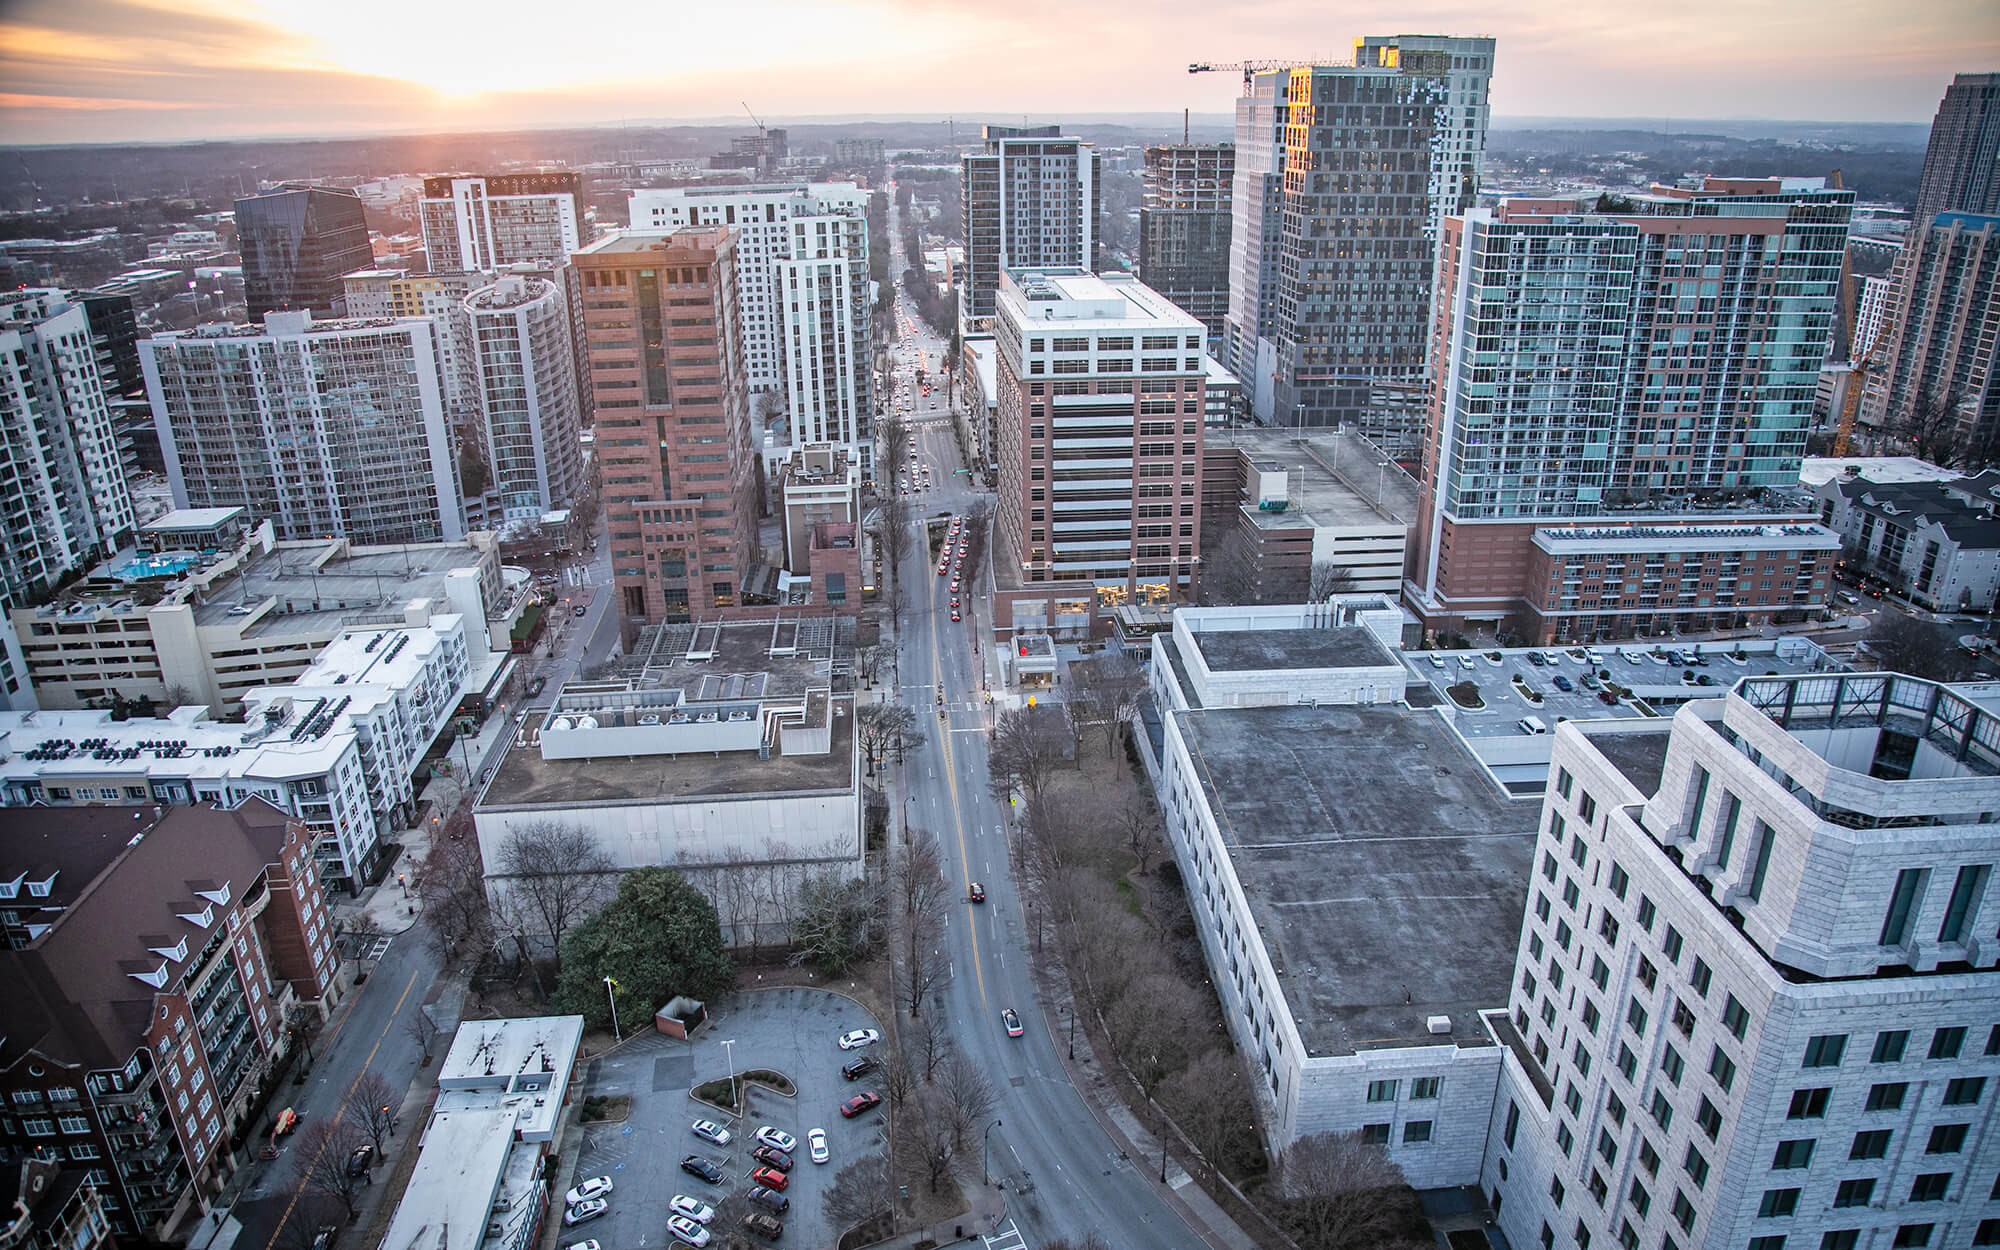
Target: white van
pixel 1531 725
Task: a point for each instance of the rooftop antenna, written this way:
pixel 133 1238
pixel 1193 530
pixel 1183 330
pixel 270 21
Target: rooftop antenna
pixel 1185 115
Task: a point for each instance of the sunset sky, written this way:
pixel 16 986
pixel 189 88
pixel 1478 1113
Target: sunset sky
pixel 106 70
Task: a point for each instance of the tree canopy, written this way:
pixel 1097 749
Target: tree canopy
pixel 658 938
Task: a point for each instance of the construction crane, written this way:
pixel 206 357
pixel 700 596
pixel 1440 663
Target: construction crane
pixel 1857 382
pixel 754 118
pixel 1250 68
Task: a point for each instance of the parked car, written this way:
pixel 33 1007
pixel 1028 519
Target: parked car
pixel 771 1178
pixel 860 1103
pixel 694 1208
pixel 686 1231
pixel 586 1211
pixel 769 1199
pixel 816 1145
pixel 711 1131
pixel 361 1160
pixel 777 1139
pixel 860 1067
pixel 859 1038
pixel 585 1191
pixel 770 1156
pixel 763 1225
pixel 1563 683
pixel 695 1165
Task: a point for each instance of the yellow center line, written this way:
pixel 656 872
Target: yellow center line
pixel 951 784
pixel 307 1170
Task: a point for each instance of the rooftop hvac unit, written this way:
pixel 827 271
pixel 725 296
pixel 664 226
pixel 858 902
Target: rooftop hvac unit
pixel 1439 1024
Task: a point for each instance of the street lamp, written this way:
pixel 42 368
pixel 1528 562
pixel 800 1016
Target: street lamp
pixel 610 995
pixel 985 1171
pixel 729 1052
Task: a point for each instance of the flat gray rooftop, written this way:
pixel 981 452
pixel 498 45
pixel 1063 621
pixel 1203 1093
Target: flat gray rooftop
pixel 1239 650
pixel 1334 477
pixel 791 654
pixel 1386 872
pixel 1641 756
pixel 309 601
pixel 525 779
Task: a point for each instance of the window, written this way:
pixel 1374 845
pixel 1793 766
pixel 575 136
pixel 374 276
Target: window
pixel 1735 1018
pixel 1807 1104
pixel 1695 1166
pixel 1930 1187
pixel 1840 1239
pixel 1375 1134
pixel 1606 1146
pixel 1903 905
pixel 1565 1138
pixel 1684 1214
pixel 1649 976
pixel 1777 1203
pixel 1425 1086
pixel 1946 1139
pixel 1512 1126
pixel 1988 1233
pixel 1887 1096
pixel 1619 881
pixel 1649 1158
pixel 1683 1018
pixel 1614 1106
pixel 1889 1046
pixel 1824 1051
pixel 1416 1131
pixel 1599 1190
pixel 1699 977
pixel 1646 913
pixel 1965 895
pixel 1964 1091
pixel 1381 1091
pixel 1556 1190
pixel 1775 1241
pixel 1854 1193
pixel 1945 1043
pixel 1662 1111
pixel 1627 1062
pixel 1672 945
pixel 1635 1016
pixel 1910 1235
pixel 1709 1118
pixel 1793 1154
pixel 1672 1065
pixel 1873 1144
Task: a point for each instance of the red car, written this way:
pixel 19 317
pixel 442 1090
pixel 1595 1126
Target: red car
pixel 860 1103
pixel 771 1178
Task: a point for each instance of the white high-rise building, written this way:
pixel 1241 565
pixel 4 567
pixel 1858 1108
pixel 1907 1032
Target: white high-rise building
pixel 64 491
pixel 331 429
pixel 526 383
pixel 802 288
pixel 1031 201
pixel 486 222
pixel 1754 1003
pixel 439 296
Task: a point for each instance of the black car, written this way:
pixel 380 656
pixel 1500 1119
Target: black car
pixel 695 1165
pixel 361 1160
pixel 859 1068
pixel 772 1157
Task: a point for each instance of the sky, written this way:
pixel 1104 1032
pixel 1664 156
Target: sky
pixel 123 70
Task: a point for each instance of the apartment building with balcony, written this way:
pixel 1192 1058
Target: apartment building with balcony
pixel 488 221
pixel 175 947
pixel 1031 200
pixel 51 1207
pixel 1935 543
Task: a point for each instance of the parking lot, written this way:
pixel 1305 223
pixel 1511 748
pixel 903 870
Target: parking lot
pixel 792 1031
pixel 1657 679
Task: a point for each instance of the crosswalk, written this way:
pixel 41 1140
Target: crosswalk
pixel 1007 1238
pixel 379 947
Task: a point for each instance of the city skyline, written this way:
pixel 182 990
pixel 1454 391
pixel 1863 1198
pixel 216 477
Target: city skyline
pixel 134 70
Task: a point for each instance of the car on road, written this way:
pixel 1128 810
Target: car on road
pixel 1011 1022
pixel 859 1038
pixel 954 601
pixel 584 1245
pixel 860 1067
pixel 580 610
pixel 772 1157
pixel 955 615
pixel 687 1231
pixel 361 1160
pixel 943 569
pixel 975 892
pixel 859 1103
pixel 695 1165
pixel 816 1145
pixel 694 1208
pixel 954 581
pixel 585 1191
pixel 777 1139
pixel 771 1178
pixel 586 1211
pixel 709 1130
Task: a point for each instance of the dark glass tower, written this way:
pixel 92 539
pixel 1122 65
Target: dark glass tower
pixel 297 241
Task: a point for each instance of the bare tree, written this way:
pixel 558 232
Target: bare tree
pixel 838 924
pixel 1327 579
pixel 1903 645
pixel 453 890
pixel 422 1029
pixel 1105 694
pixel 556 876
pixel 919 876
pixel 371 1107
pixel 969 1097
pixel 868 662
pixel 935 1137
pixel 892 535
pixel 1932 427
pixel 1141 826
pixel 892 433
pixel 1209 1099
pixel 926 966
pixel 1029 744
pixel 884 728
pixel 302 1226
pixel 931 1044
pixel 1142 1022
pixel 899 1080
pixel 859 1190
pixel 319 1160
pixel 1339 1192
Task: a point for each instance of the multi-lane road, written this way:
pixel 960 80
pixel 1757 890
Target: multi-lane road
pixel 1064 1176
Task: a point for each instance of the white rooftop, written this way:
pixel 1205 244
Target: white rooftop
pixel 1109 300
pixel 1817 471
pixel 522 1066
pixel 193 519
pixel 455 1183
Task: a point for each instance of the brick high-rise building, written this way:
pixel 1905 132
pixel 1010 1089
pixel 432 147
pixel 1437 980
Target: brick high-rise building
pixel 1939 372
pixel 160 958
pixel 1031 200
pixel 1628 369
pixel 297 242
pixel 673 427
pixel 1184 222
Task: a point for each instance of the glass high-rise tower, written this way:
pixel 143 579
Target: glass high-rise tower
pixel 298 242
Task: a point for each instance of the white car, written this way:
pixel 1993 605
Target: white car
pixel 586 1211
pixel 595 1187
pixel 709 1130
pixel 694 1208
pixel 778 1139
pixel 687 1231
pixel 585 1245
pixel 1465 661
pixel 859 1038
pixel 815 1145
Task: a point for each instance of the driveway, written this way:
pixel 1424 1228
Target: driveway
pixel 790 1030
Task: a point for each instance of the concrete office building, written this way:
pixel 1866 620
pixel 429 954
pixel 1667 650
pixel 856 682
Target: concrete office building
pixel 1935 543
pixel 1031 201
pixel 819 495
pixel 1348 173
pixel 1101 383
pixel 207 620
pixel 724 750
pixel 1938 363
pixel 336 747
pixel 673 423
pixel 488 221
pixel 169 949
pixel 327 429
pixel 1651 366
pixel 297 241
pixel 1752 1005
pixel 1184 221
pixel 528 399
pixel 760 218
pixel 66 501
